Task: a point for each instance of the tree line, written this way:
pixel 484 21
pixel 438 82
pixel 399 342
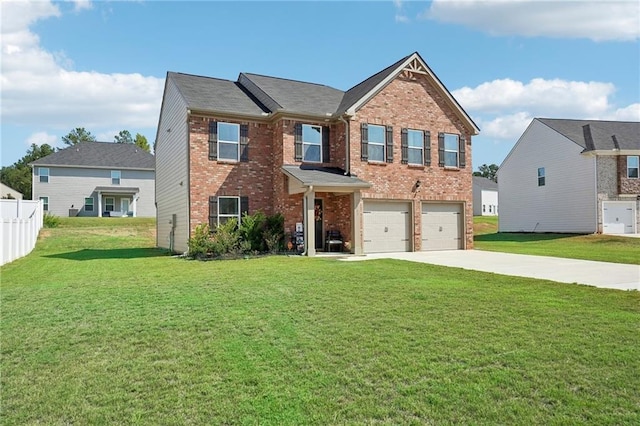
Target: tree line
pixel 18 176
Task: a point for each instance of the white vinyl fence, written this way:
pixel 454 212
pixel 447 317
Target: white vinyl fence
pixel 21 223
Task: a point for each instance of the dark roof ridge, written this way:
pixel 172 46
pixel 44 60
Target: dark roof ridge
pixel 587 120
pixel 201 76
pixel 290 79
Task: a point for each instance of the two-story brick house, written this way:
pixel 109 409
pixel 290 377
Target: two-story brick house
pixel 387 163
pixel 575 176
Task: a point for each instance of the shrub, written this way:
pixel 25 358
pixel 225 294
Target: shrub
pixel 200 244
pixel 274 233
pixel 50 220
pixel 251 229
pixel 226 238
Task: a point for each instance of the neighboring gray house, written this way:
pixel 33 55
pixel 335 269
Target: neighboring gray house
pixel 485 197
pixel 8 192
pixel 96 179
pixel 574 176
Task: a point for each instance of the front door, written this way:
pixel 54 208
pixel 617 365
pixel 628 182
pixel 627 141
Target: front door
pixel 124 206
pixel 317 223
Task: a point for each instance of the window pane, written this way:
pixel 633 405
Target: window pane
pixel 632 173
pixel 541 171
pixel 228 206
pixel 415 156
pixel 376 152
pixel 376 133
pixel 451 159
pixel 633 161
pixel 228 132
pixel 227 151
pixel 415 139
pixel 451 142
pixel 311 153
pixel 311 134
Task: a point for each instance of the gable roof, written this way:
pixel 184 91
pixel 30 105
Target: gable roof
pixel 485 184
pixel 259 95
pixel 100 155
pixel 597 135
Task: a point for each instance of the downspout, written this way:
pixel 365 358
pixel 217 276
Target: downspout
pixel 347 165
pixel 304 218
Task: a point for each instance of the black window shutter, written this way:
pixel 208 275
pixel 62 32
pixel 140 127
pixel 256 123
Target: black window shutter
pixel 213 140
pixel 441 149
pixel 389 143
pixel 244 206
pixel 298 142
pixel 404 145
pixel 213 213
pixel 463 161
pixel 364 142
pixel 427 148
pixel 326 155
pixel 244 142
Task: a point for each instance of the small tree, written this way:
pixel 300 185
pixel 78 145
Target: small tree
pixel 77 135
pixel 18 176
pixel 141 141
pixel 488 171
pixel 123 137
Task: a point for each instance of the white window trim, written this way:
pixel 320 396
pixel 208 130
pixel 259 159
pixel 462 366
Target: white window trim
pixel 44 204
pixel 637 167
pixel 237 216
pixel 383 143
pixel 106 204
pixel 311 143
pixel 420 148
pixel 119 178
pixel 457 150
pixel 41 174
pixel 92 204
pixel 237 143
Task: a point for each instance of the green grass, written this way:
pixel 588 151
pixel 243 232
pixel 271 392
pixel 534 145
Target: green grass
pixel 604 248
pixel 98 327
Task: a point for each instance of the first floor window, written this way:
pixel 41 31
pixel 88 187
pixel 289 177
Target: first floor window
pixel 633 166
pixel 88 204
pixel 115 177
pixel 376 142
pixel 45 203
pixel 109 204
pixel 228 141
pixel 415 142
pixel 451 147
pixel 44 174
pixel 311 143
pixel 228 207
pixel 541 176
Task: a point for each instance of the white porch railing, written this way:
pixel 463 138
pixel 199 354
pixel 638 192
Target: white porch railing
pixel 21 222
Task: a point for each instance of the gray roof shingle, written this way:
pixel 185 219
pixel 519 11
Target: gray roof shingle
pixel 598 135
pixel 485 184
pixel 323 176
pixel 100 155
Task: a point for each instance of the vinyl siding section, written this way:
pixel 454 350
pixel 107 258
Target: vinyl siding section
pixel 172 181
pixel 567 201
pixel 487 198
pixel 69 186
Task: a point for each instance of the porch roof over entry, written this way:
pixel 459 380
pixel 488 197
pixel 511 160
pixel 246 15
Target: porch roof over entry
pixel 117 189
pixel 323 179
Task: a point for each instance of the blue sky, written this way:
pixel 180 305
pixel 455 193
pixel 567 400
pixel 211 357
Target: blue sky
pixel 101 65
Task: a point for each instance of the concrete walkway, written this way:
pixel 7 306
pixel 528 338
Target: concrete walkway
pixel 599 274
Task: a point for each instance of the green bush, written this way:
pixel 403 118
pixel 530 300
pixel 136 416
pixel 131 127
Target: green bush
pixel 251 228
pixel 226 238
pixel 273 234
pixel 200 244
pixel 50 220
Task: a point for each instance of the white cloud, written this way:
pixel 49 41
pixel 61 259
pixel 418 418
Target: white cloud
pixel 599 21
pixel 40 138
pixel 39 89
pixel 80 5
pixel 629 113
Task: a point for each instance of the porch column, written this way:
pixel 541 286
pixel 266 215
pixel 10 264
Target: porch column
pixel 99 204
pixel 357 244
pixel 134 203
pixel 309 222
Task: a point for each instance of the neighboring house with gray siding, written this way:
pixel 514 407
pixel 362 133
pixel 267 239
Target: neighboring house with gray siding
pixel 96 179
pixel 485 197
pixel 574 176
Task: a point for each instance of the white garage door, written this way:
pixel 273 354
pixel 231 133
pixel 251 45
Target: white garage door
pixel 386 227
pixel 618 217
pixel 442 226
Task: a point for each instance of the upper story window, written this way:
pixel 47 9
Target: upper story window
pixel 633 166
pixel 415 142
pixel 311 143
pixel 376 142
pixel 44 174
pixel 451 150
pixel 115 177
pixel 45 203
pixel 541 176
pixel 228 141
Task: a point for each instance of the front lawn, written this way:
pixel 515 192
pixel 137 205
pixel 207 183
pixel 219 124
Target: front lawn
pixel 604 248
pixel 98 327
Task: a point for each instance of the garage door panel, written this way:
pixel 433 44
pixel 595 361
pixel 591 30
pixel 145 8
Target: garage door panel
pixel 386 227
pixel 618 217
pixel 442 227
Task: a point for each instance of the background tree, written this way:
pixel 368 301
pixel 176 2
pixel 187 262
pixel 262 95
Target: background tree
pixel 141 141
pixel 77 135
pixel 487 171
pixel 123 137
pixel 18 176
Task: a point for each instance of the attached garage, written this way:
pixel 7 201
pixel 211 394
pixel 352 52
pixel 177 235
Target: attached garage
pixel 386 226
pixel 442 226
pixel 618 217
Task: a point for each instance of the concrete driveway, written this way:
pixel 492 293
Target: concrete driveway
pixel 599 274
